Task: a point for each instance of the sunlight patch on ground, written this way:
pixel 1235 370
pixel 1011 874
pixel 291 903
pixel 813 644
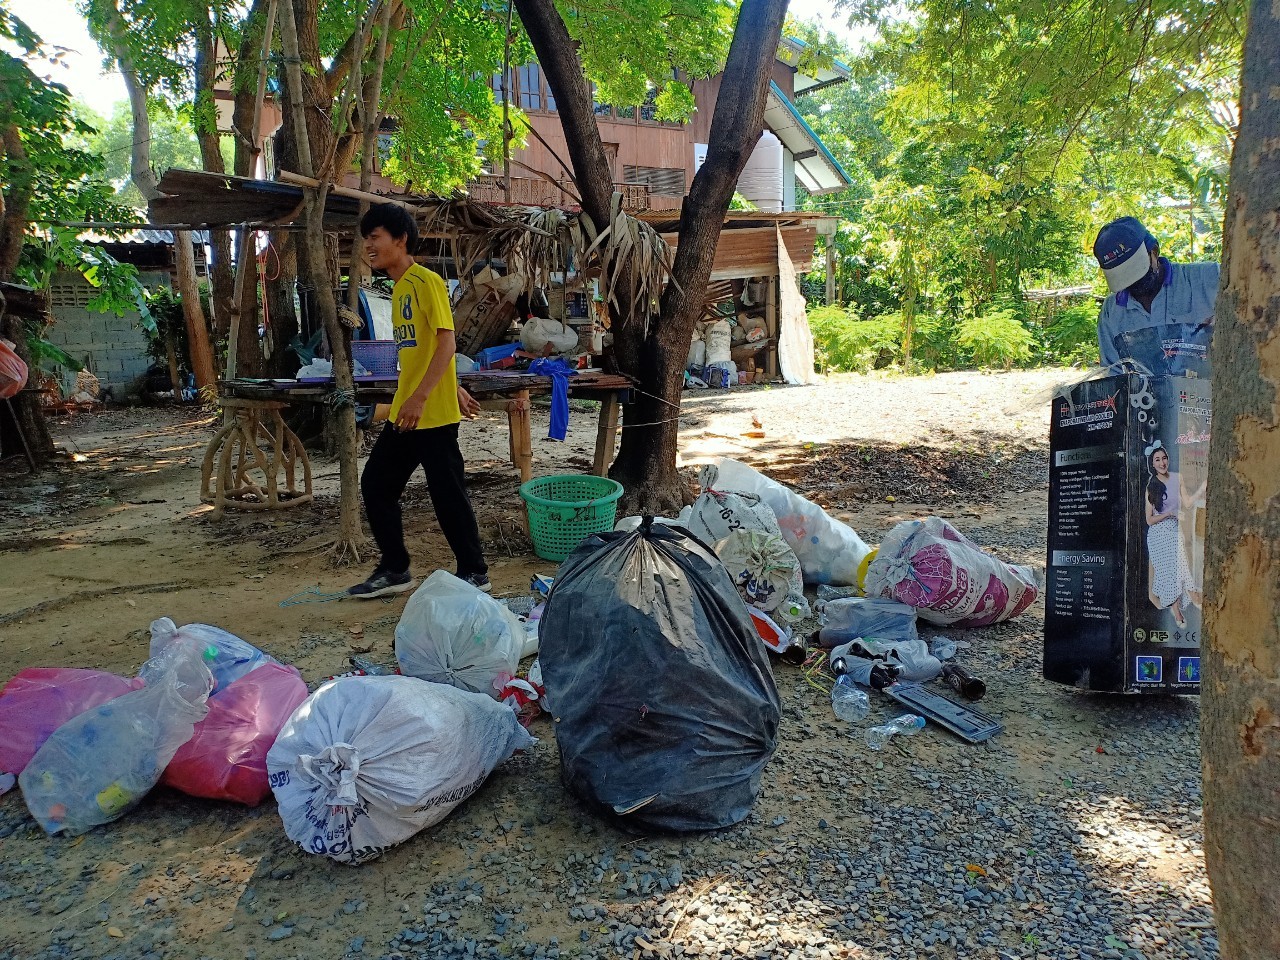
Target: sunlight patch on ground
pixel 1125 838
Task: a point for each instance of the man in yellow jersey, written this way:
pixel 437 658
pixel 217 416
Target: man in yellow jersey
pixel 422 430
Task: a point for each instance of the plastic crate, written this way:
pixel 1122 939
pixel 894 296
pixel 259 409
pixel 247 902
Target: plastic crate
pixel 566 509
pixel 380 357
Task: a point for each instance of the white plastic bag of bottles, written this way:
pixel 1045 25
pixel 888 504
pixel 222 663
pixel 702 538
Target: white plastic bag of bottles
pixel 765 571
pixel 829 551
pixel 227 656
pixel 718 512
pixel 99 765
pixel 451 632
pixel 367 762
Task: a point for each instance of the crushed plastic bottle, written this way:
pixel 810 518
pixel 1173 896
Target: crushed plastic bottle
pixel 944 648
pixel 849 703
pixel 828 592
pixel 908 725
pixel 366 667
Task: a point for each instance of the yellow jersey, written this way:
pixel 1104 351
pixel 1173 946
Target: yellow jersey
pixel 420 310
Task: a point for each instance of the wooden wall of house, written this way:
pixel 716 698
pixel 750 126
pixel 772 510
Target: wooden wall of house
pixel 664 149
pixel 706 91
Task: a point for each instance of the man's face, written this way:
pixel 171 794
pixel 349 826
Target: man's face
pixel 383 249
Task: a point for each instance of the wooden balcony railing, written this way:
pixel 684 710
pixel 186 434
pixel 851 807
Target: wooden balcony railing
pixel 530 192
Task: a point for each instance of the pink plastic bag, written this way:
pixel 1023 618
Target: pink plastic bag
pixel 950 580
pixel 13 372
pixel 227 757
pixel 39 700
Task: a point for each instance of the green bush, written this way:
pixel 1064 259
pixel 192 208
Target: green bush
pixel 1072 336
pixel 996 339
pixel 843 342
pixel 933 346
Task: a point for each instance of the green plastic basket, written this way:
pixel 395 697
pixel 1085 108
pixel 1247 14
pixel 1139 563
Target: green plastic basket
pixel 565 510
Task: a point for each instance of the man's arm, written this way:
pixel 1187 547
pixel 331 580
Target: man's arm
pixel 441 361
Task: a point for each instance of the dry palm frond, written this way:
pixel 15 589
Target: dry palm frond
pixel 631 260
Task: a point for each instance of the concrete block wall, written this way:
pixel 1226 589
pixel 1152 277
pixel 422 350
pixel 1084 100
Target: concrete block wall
pixel 113 348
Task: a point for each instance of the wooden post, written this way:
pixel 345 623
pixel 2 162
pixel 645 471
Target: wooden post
pixel 771 321
pixel 606 435
pixel 831 271
pixel 521 439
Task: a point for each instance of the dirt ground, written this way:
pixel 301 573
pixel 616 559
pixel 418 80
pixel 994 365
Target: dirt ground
pixel 94 549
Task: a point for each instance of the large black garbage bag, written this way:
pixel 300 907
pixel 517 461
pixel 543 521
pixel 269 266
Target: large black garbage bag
pixel 665 706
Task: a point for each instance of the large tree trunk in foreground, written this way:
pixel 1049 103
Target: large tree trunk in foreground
pixel 1240 709
pixel 655 356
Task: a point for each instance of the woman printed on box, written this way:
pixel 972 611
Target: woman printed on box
pixel 1170 573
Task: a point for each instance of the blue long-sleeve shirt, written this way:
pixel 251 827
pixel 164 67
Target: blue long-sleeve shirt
pixel 1188 296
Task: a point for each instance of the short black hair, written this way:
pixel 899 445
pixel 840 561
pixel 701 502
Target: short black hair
pixel 393 218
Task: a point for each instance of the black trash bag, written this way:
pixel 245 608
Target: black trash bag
pixel 665 705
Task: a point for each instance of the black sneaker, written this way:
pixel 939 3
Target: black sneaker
pixel 478 580
pixel 381 584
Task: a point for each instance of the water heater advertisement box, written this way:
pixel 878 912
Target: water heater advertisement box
pixel 1128 461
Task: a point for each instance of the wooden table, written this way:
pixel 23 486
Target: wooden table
pixel 495 389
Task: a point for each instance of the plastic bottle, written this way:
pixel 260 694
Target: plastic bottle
pixel 848 701
pixel 100 764
pixel 907 725
pixel 944 648
pixel 828 592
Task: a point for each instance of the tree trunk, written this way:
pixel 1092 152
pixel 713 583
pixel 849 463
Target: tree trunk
pixel 198 350
pixel 310 98
pixel 1240 706
pixel 15 203
pixel 144 178
pixel 655 354
pixel 221 276
pixel 281 279
pixel 250 61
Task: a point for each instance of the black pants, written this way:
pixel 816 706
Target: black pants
pixel 396 454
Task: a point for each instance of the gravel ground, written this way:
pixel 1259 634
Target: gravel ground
pixel 1074 834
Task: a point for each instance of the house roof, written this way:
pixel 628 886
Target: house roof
pixel 144 236
pixel 790 50
pixel 816 169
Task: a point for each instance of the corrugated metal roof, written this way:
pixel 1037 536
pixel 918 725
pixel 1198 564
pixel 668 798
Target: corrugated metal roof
pixel 816 168
pixel 136 236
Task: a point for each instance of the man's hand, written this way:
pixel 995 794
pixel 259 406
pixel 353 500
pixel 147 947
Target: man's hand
pixel 468 404
pixel 410 413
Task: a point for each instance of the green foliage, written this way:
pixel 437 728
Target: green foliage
pixel 842 342
pixel 169 324
pixel 630 50
pixel 1071 337
pixel 173 144
pixel 49 356
pixel 995 339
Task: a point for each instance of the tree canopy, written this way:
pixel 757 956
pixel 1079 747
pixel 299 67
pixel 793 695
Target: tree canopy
pixel 988 144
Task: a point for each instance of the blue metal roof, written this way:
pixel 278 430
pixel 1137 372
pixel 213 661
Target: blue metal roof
pixel 776 92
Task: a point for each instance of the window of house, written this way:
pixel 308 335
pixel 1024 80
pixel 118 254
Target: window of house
pixel 649 109
pixel 496 83
pixel 384 147
pixel 666 181
pixel 529 85
pixel 626 113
